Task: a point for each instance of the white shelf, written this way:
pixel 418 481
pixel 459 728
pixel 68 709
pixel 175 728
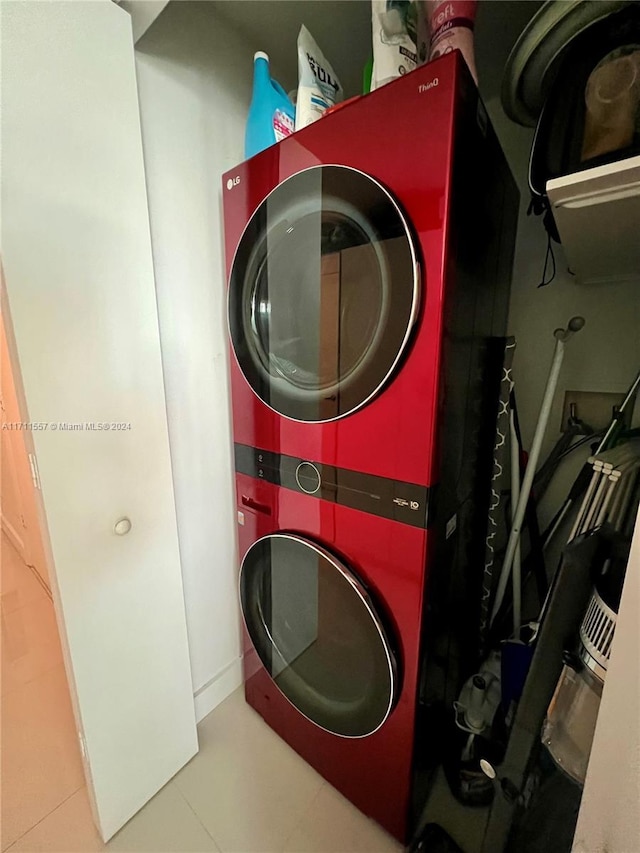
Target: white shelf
pixel 597 212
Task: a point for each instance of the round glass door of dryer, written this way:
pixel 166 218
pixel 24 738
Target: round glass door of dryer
pixel 318 635
pixel 323 294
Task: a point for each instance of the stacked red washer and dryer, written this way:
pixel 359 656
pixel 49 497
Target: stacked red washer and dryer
pixel 369 259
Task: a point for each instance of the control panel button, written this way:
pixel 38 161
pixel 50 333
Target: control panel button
pixel 308 478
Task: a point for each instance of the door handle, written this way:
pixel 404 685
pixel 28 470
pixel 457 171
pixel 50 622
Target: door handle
pixel 256 505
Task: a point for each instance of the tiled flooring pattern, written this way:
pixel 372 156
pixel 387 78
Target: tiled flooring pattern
pixel 41 764
pixel 245 791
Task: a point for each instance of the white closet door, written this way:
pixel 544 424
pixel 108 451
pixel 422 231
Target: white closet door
pixel 79 278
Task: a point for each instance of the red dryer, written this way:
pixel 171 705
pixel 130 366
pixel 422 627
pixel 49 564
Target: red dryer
pixel 369 259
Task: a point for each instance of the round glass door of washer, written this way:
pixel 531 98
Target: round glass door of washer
pixel 318 635
pixel 323 293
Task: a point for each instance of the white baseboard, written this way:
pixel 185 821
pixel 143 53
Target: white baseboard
pixel 217 689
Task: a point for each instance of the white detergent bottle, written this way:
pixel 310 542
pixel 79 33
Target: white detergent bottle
pixel 271 114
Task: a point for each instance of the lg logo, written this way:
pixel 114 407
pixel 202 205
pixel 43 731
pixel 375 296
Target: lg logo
pixel 233 182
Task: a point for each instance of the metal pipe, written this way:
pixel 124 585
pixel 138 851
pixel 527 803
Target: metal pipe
pixel 587 524
pixel 584 506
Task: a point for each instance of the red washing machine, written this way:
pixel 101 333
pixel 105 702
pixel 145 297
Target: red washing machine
pixel 369 259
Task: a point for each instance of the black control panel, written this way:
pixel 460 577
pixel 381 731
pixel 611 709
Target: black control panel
pixel 399 501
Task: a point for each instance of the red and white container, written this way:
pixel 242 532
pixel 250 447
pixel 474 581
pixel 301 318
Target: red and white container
pixel 451 25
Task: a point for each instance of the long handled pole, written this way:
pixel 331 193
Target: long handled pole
pixel 628 400
pixel 515 496
pixel 561 336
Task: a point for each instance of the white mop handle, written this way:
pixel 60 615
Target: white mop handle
pixel 561 336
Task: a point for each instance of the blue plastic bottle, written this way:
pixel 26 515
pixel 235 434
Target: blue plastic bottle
pixel 271 114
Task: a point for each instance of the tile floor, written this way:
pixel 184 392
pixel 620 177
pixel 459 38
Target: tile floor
pixel 40 764
pixel 245 791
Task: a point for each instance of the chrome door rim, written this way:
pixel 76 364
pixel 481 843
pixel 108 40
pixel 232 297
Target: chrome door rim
pixel 415 298
pixel 361 592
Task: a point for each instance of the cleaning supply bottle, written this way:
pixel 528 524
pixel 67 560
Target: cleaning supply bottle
pixel 271 114
pixel 451 26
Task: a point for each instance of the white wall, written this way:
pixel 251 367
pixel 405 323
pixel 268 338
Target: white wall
pixel 143 14
pixel 194 79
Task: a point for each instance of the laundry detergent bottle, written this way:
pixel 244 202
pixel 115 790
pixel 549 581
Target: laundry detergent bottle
pixel 271 114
